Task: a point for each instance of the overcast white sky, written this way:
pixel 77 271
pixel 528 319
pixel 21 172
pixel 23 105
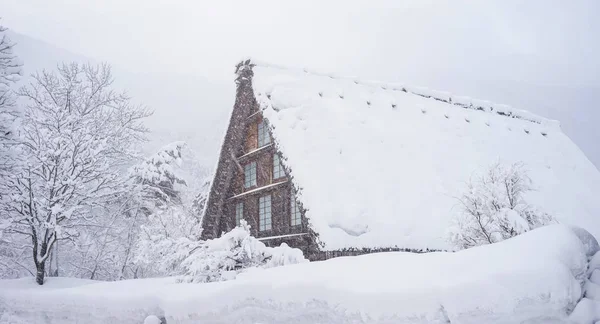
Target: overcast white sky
pixel 495 49
pixel 357 36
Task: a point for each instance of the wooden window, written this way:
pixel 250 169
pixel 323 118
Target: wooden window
pixel 250 175
pixel 278 171
pixel 295 213
pixel 264 213
pixel 251 137
pixel 263 134
pixel 239 213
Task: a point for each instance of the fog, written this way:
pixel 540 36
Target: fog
pixel 540 56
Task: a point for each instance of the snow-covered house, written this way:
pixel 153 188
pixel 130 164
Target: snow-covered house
pixel 332 164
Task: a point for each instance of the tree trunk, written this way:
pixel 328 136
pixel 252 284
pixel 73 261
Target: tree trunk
pixel 39 275
pixel 53 262
pixel 50 261
pixel 40 265
pixel 55 254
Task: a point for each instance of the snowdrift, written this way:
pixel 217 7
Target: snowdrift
pixel 534 278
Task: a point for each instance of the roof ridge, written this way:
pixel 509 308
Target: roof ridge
pixel 443 96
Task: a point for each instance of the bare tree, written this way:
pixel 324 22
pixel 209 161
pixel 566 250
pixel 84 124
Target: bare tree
pixel 494 208
pixel 77 135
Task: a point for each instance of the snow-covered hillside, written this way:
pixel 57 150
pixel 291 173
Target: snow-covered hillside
pixel 186 108
pixel 534 278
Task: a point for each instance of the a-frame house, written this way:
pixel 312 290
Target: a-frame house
pixel 250 182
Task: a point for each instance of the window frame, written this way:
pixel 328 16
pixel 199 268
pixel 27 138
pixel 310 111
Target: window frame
pixel 239 213
pixel 265 213
pixel 295 210
pixel 250 175
pixel 278 170
pixel 263 137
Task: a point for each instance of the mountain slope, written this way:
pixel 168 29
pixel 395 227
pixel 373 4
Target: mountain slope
pixel 186 108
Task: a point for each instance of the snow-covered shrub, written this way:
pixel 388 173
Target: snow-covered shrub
pixel 224 257
pixel 170 193
pixel 165 241
pixel 493 208
pixel 160 175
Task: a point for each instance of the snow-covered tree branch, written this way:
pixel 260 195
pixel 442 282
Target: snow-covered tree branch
pixel 10 70
pixel 166 198
pixel 11 251
pixel 494 208
pixel 76 136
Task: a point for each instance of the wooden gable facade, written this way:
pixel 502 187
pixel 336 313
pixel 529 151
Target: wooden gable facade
pixel 251 183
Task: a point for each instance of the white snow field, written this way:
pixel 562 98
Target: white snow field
pixel 382 165
pixel 533 278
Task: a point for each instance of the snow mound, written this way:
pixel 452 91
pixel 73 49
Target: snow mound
pixel 533 278
pixel 595 263
pixel 380 165
pixel 51 283
pixel 152 319
pixel 587 310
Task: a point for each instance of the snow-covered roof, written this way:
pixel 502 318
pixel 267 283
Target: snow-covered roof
pixel 381 165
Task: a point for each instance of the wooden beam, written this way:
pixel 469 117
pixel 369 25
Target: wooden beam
pixel 237 163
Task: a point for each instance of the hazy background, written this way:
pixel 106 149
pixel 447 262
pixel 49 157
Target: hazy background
pixel 178 56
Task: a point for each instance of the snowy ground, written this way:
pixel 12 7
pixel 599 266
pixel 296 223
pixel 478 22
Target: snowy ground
pixel 535 278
